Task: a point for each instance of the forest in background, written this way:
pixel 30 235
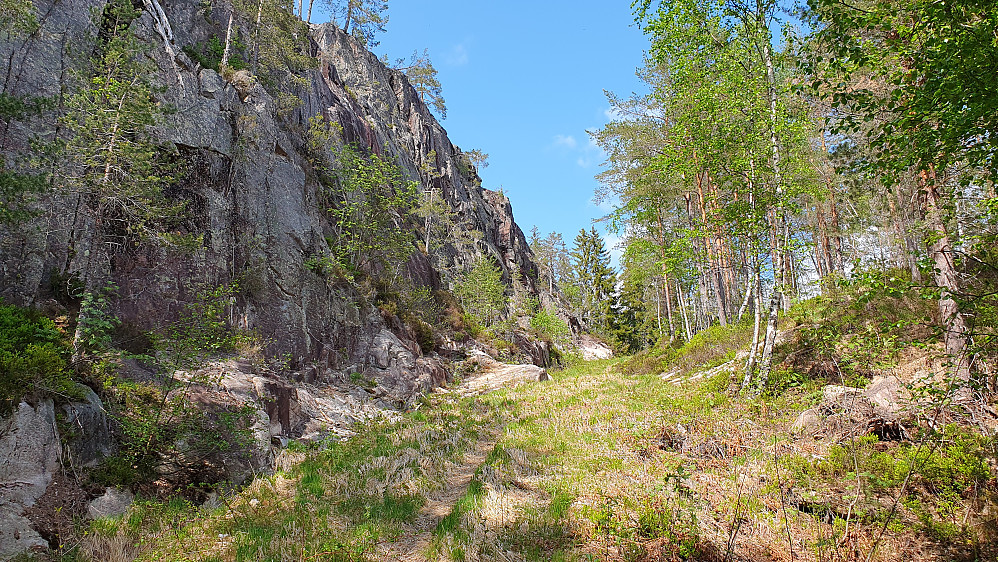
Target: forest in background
pixel 765 166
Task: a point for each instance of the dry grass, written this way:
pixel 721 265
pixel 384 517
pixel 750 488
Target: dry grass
pixel 335 501
pixel 598 463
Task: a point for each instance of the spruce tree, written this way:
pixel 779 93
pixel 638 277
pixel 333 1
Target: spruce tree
pixel 593 279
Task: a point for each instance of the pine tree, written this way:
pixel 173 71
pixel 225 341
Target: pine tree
pixel 114 164
pixel 423 77
pixel 362 19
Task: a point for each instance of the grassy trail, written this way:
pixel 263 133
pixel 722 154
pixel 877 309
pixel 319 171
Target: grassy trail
pixel 599 463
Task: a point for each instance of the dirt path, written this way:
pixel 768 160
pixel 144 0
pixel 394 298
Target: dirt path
pixel 413 546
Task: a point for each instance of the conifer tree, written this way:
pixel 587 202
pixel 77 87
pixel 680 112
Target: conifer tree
pixel 114 165
pixel 362 19
pixel 593 279
pixel 423 77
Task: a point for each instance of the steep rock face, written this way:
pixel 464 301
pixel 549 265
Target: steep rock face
pixel 251 191
pixel 30 451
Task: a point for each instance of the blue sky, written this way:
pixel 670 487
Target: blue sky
pixel 523 81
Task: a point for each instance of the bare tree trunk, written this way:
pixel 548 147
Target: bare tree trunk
pixel 954 324
pixel 428 223
pixel 668 306
pixel 228 43
pixel 658 308
pixel 256 36
pixel 833 211
pixel 309 20
pixel 780 226
pixel 745 300
pixel 682 308
pixel 349 17
pixel 753 352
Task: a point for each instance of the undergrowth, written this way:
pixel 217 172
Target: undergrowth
pixel 333 500
pixel 33 355
pixel 708 348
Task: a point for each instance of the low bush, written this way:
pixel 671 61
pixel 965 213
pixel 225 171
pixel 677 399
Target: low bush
pixel 32 359
pixel 706 349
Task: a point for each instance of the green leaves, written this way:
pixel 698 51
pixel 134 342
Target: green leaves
pixel 32 358
pixel 920 85
pixel 482 294
pixel 368 202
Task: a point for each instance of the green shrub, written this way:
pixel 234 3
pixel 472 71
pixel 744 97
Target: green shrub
pixel 866 321
pixel 32 359
pixel 549 326
pixel 708 348
pixel 209 55
pixel 482 294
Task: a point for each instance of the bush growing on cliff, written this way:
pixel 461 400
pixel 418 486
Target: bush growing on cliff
pixel 369 211
pixel 32 358
pixel 163 432
pixel 482 294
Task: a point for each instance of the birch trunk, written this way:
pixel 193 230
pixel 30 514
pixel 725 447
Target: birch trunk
pixel 945 276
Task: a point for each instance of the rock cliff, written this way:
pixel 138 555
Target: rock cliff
pixel 249 184
pixel 253 201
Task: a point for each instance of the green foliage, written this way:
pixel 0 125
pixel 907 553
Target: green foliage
pixel 20 180
pixel 593 279
pixel 901 70
pixel 368 202
pixel 209 55
pixel 423 77
pixel 549 326
pixel 362 19
pixel 276 37
pixel 865 322
pixel 32 359
pixel 940 471
pixel 96 321
pixel 482 294
pixel 326 266
pixel 114 164
pixel 17 17
pixel 443 229
pixel 159 426
pixel 708 348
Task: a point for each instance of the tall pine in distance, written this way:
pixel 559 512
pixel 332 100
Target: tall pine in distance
pixel 591 280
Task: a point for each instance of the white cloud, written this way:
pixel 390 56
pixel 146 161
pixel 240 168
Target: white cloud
pixel 614 245
pixel 565 141
pixel 607 204
pixel 586 155
pixel 458 55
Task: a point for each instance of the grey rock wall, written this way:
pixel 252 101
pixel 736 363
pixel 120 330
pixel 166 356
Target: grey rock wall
pixel 29 458
pixel 249 184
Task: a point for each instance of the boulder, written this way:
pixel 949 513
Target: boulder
pixel 29 458
pixel 847 411
pixel 29 453
pixel 16 534
pixel 492 376
pixel 89 435
pixel 114 503
pixel 592 349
